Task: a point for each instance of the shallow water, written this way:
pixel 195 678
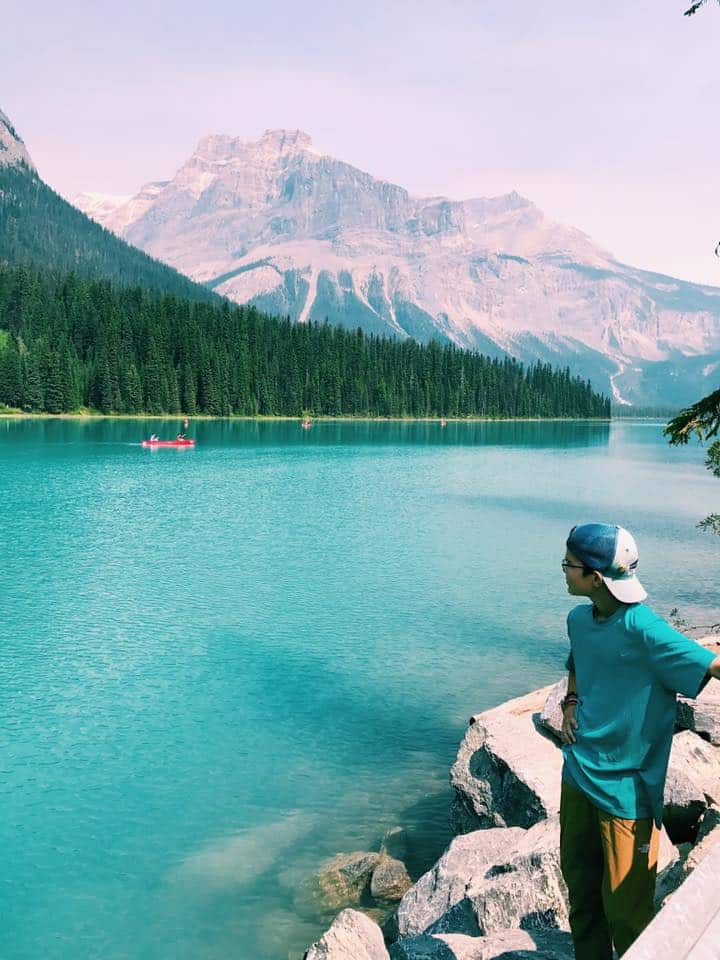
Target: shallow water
pixel 226 664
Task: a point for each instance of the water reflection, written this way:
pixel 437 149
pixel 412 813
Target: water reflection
pixel 209 433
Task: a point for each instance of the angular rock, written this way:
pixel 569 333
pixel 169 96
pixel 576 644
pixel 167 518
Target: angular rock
pixel 708 835
pixel 440 893
pixel 394 843
pixel 340 882
pixel 692 783
pixel 507 771
pixel 551 715
pixel 352 936
pixel 524 889
pixel 390 880
pixel 507 945
pixel 702 715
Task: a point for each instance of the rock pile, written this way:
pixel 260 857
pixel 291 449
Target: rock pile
pixel 497 891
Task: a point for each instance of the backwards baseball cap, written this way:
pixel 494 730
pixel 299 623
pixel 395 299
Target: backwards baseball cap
pixel 612 551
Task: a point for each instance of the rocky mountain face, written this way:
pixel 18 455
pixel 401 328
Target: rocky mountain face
pixel 276 224
pixel 12 149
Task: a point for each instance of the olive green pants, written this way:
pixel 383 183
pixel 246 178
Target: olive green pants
pixel 609 866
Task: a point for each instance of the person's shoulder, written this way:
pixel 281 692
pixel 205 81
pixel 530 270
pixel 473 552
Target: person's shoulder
pixel 582 613
pixel 638 616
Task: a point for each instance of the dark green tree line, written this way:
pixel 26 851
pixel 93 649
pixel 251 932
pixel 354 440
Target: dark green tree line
pixel 69 342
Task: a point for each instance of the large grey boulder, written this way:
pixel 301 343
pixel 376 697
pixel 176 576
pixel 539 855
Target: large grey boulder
pixel 524 889
pixel 440 893
pixel 693 782
pixel 507 945
pixel 352 936
pixel 684 800
pixel 702 715
pixel 551 715
pixel 507 771
pixel 708 835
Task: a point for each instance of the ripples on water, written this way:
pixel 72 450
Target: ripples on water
pixel 223 665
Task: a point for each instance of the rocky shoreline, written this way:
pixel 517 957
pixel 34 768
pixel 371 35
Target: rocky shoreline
pixel 497 892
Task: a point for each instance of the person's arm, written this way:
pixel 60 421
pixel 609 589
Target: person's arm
pixel 714 668
pixel 569 724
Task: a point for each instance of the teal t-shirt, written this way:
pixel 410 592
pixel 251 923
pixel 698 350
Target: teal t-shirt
pixel 629 669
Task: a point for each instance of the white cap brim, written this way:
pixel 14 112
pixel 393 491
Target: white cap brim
pixel 626 589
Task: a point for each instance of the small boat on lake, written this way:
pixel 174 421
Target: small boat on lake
pixel 179 442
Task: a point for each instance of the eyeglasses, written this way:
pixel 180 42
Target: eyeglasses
pixel 566 565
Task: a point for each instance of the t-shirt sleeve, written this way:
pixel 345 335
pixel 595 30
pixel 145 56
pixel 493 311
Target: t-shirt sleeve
pixel 570 661
pixel 678 662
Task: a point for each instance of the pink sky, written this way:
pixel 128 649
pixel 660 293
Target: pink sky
pixel 603 115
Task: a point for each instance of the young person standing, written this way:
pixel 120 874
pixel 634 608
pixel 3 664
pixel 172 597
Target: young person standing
pixel 626 666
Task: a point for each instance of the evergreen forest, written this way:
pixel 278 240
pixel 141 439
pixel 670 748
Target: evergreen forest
pixel 68 342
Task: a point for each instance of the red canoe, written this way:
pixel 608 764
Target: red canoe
pixel 168 443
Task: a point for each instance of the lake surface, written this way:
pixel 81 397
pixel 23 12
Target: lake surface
pixel 224 665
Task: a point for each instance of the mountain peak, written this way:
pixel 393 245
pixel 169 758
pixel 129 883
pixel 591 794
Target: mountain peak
pixel 219 148
pixel 12 149
pixel 287 141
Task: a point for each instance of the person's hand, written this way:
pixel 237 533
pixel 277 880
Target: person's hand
pixel 569 724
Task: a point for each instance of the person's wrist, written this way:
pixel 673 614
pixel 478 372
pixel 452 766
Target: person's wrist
pixel 571 700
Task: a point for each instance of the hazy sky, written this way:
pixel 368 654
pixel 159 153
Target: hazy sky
pixel 604 114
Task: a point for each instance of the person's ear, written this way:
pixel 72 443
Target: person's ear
pixel 597 579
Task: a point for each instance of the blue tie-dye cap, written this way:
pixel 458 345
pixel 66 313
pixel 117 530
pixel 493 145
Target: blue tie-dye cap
pixel 612 551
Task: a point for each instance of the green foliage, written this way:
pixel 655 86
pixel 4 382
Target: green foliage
pixel 702 420
pixel 695 6
pixel 73 342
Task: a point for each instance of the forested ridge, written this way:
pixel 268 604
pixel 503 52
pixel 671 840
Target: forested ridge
pixel 38 226
pixel 68 343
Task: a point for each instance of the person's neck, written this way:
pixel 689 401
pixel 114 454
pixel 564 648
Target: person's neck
pixel 605 604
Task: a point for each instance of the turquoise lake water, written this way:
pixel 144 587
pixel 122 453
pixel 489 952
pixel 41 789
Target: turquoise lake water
pixel 224 665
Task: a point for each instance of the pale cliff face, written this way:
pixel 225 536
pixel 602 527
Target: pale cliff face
pixel 12 149
pixel 298 233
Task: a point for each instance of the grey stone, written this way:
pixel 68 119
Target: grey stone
pixel 690 857
pixel 394 843
pixel 708 835
pixel 507 944
pixel 551 715
pixel 526 888
pixel 507 771
pixel 702 714
pixel 440 893
pixel 693 781
pixel 352 936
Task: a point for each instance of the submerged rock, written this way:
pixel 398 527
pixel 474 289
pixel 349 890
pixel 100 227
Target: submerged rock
pixel 394 843
pixel 340 882
pixel 352 936
pixel 390 880
pixel 507 772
